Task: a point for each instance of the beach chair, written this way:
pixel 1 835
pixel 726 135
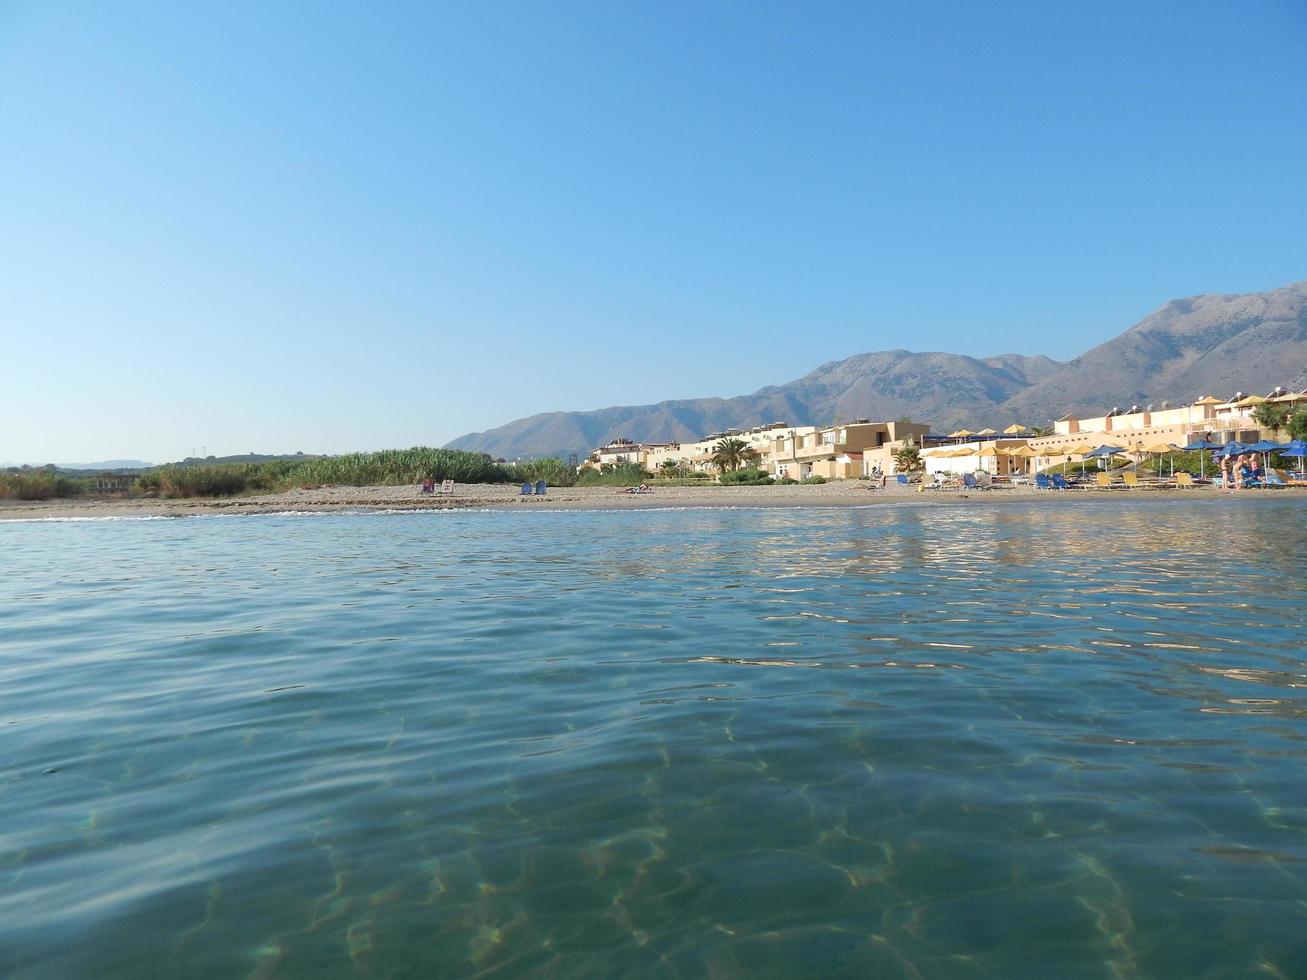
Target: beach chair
pixel 1131 479
pixel 1042 482
pixel 1184 481
pixel 1105 481
pixel 903 478
pixel 541 487
pixel 1274 479
pixel 526 490
pixel 447 487
pixel 1059 482
pixel 984 480
pixel 969 482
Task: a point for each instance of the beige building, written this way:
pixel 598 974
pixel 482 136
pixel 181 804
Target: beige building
pixel 840 452
pixel 1209 416
pixel 697 455
pixel 621 451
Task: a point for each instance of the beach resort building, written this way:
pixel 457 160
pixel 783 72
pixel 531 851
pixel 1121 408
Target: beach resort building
pixel 621 451
pixel 697 455
pixel 843 451
pixel 1216 420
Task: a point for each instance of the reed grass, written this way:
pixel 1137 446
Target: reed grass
pixel 389 467
pixel 37 485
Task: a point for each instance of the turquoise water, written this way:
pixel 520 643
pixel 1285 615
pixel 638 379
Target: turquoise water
pixel 895 742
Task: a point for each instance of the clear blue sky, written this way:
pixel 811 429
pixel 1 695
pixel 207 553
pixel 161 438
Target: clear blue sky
pixel 326 226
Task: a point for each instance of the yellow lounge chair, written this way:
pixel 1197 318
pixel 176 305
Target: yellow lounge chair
pixel 1105 481
pixel 1132 481
pixel 1184 480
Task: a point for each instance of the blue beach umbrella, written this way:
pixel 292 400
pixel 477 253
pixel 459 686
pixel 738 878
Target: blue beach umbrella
pixel 1106 452
pixel 1200 446
pixel 1296 448
pixel 1265 447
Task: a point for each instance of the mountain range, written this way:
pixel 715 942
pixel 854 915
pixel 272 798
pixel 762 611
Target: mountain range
pixel 1209 344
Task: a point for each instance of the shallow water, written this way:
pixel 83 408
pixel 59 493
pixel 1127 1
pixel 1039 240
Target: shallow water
pixel 973 742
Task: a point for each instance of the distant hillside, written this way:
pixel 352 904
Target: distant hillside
pixel 1205 344
pixel 243 458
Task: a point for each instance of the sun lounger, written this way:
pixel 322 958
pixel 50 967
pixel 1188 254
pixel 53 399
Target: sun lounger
pixel 903 478
pixel 1059 482
pixel 526 490
pixel 1043 482
pixel 541 487
pixel 1273 479
pixel 447 488
pixel 1184 481
pixel 1106 482
pixel 1131 479
pixel 969 482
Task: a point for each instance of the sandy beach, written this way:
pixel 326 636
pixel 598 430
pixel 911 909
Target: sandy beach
pixel 503 497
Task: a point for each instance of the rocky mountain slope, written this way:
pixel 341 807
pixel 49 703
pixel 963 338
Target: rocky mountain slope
pixel 1205 344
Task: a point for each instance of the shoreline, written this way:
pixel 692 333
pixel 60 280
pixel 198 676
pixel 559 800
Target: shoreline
pixel 505 497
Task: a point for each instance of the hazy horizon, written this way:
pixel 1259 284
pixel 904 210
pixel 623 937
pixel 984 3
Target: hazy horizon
pixel 332 228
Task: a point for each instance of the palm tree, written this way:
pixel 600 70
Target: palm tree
pixel 670 468
pixel 1041 430
pixel 908 459
pixel 731 454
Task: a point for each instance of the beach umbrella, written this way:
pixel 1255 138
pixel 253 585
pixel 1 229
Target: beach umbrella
pixel 1162 449
pixel 1296 448
pixel 1080 450
pixel 1016 428
pixel 1200 446
pixel 986 432
pixel 1265 447
pixel 961 434
pixel 1022 452
pixel 1105 451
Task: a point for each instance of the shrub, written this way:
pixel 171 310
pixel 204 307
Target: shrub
pixel 617 475
pixel 814 479
pixel 787 481
pixel 750 477
pixel 553 471
pixel 36 485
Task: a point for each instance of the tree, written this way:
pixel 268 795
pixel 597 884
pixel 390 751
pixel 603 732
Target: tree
pixel 1042 430
pixel 1270 416
pixel 1297 423
pixel 731 454
pixel 908 458
pixel 670 468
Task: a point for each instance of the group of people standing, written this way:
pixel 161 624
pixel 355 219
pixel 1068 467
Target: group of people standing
pixel 1242 471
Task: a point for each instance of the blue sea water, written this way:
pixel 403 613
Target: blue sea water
pixel 993 741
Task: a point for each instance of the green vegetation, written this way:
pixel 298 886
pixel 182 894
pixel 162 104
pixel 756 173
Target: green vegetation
pixel 553 471
pixel 1278 418
pixel 221 480
pixel 732 454
pixel 614 475
pixel 37 485
pixel 787 481
pixel 389 467
pixel 751 477
pixel 908 459
pixel 814 479
pixel 1296 423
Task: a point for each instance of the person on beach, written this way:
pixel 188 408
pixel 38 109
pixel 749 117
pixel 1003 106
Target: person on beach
pixel 1225 474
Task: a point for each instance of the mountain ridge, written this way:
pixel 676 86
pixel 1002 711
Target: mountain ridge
pixel 1188 347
